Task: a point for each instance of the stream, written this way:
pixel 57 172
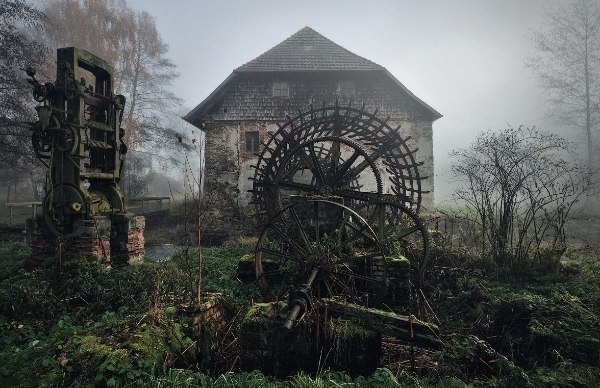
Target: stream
pixel 160 252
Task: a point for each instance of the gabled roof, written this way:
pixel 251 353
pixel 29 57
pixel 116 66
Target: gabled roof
pixel 307 50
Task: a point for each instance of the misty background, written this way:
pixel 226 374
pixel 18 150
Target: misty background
pixel 465 58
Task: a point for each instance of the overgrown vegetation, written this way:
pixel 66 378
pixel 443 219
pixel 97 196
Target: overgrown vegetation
pixel 81 323
pixel 519 187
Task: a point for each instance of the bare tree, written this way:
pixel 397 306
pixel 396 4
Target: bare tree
pixel 567 64
pixel 19 50
pixel 129 41
pixel 520 186
pixel 148 75
pixel 98 26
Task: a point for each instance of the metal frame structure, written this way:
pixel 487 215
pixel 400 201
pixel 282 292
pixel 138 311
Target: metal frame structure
pixel 79 138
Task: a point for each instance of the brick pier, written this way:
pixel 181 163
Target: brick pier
pixel 114 242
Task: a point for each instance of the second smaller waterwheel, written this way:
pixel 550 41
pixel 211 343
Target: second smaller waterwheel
pixel 323 248
pixel 401 233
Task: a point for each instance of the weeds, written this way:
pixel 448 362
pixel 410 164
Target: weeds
pixel 82 323
pixel 12 255
pixel 219 271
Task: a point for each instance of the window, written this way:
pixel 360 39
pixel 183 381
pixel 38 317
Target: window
pixel 281 89
pixel 347 88
pixel 252 141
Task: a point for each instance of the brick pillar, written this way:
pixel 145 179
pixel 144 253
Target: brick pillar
pixel 115 242
pixel 92 239
pixel 399 281
pixel 127 239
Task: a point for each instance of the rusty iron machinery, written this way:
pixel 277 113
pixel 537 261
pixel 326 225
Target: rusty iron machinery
pixel 78 136
pixel 337 190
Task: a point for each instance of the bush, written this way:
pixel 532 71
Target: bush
pixel 519 186
pixel 12 255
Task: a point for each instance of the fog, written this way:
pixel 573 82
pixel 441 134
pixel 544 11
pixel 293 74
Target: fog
pixel 465 58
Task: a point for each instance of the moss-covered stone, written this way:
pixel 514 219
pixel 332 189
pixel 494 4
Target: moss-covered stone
pixel 352 347
pixel 148 344
pixel 399 262
pixel 91 348
pixel 245 269
pixel 268 347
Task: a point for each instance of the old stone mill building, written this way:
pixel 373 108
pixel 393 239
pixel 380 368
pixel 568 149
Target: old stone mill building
pixel 306 70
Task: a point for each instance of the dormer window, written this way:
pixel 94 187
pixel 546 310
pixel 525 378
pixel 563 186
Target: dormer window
pixel 346 88
pixel 281 89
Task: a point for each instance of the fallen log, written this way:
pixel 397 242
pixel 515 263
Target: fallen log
pixel 403 327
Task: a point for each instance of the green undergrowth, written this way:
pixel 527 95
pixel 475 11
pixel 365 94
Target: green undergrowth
pixel 219 271
pixel 12 255
pixel 81 324
pixel 539 331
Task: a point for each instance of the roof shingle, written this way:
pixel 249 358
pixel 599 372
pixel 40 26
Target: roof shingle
pixel 307 50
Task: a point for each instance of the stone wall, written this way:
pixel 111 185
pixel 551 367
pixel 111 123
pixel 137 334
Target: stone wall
pixel 421 138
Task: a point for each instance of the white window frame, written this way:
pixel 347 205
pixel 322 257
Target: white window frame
pixel 347 88
pixel 281 89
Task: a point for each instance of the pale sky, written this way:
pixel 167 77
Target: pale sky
pixel 465 58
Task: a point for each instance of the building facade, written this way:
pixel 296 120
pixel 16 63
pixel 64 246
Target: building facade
pixel 304 70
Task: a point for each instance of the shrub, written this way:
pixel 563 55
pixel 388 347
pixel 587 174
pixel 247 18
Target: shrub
pixel 12 255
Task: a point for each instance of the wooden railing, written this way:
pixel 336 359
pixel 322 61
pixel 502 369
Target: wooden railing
pixel 32 204
pixel 144 202
pixel 149 203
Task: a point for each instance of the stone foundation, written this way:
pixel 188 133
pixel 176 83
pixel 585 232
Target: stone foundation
pixel 212 322
pixel 92 240
pixel 318 340
pixel 41 241
pixel 398 274
pixel 275 351
pixel 115 242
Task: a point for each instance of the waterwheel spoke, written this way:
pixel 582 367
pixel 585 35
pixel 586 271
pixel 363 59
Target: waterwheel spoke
pixel 317 222
pixel 355 194
pixel 335 280
pixel 335 153
pixel 308 160
pixel 297 185
pixel 343 168
pixel 318 170
pixel 408 231
pixel 288 238
pixel 359 231
pixel 301 229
